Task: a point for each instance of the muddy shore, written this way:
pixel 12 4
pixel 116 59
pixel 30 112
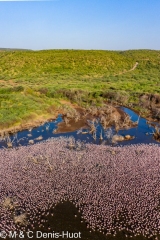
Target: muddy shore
pixel 117 113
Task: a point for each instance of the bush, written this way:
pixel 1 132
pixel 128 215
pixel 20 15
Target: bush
pixel 43 91
pixel 18 89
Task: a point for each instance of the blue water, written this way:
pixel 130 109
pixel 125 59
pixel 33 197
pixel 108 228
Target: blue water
pixel 140 131
pixel 48 131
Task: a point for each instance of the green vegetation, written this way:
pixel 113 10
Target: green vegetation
pixel 32 83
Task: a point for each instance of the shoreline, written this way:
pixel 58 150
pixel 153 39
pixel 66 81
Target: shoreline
pixel 36 122
pixel 62 128
pixel 25 126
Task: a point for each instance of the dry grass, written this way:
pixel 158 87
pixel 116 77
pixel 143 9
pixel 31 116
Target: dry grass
pixel 21 219
pixel 9 203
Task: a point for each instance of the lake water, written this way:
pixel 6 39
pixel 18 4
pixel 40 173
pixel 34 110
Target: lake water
pixel 47 131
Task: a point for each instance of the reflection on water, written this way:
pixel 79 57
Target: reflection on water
pixel 143 133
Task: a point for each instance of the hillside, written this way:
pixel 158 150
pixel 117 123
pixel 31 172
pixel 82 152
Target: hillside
pixel 13 49
pixel 32 83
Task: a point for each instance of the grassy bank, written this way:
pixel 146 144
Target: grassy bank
pixel 32 83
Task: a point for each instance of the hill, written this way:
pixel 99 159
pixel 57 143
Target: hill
pixel 32 83
pixel 13 49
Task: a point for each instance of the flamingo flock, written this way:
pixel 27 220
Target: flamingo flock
pixel 114 188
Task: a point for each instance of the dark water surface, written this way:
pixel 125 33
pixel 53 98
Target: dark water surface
pixel 143 133
pixel 65 219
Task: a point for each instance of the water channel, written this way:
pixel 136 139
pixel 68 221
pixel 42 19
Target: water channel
pixel 143 133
